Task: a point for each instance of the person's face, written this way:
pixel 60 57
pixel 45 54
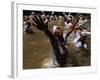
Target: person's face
pixel 58 32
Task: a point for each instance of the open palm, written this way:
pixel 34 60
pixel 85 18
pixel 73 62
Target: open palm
pixel 39 23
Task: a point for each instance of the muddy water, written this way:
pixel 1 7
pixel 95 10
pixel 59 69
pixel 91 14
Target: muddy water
pixel 36 52
pixel 36 48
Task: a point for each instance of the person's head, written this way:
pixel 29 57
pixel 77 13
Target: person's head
pixel 60 17
pixel 82 17
pixel 57 31
pixel 69 20
pixel 78 30
pixel 25 18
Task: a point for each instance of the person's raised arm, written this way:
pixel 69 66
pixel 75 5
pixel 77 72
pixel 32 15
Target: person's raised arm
pixel 39 24
pixel 73 26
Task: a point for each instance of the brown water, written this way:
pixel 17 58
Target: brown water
pixel 36 51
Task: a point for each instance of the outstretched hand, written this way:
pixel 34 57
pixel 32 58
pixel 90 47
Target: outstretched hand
pixel 40 24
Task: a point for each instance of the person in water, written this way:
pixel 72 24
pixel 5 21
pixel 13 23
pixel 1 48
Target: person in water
pixel 59 49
